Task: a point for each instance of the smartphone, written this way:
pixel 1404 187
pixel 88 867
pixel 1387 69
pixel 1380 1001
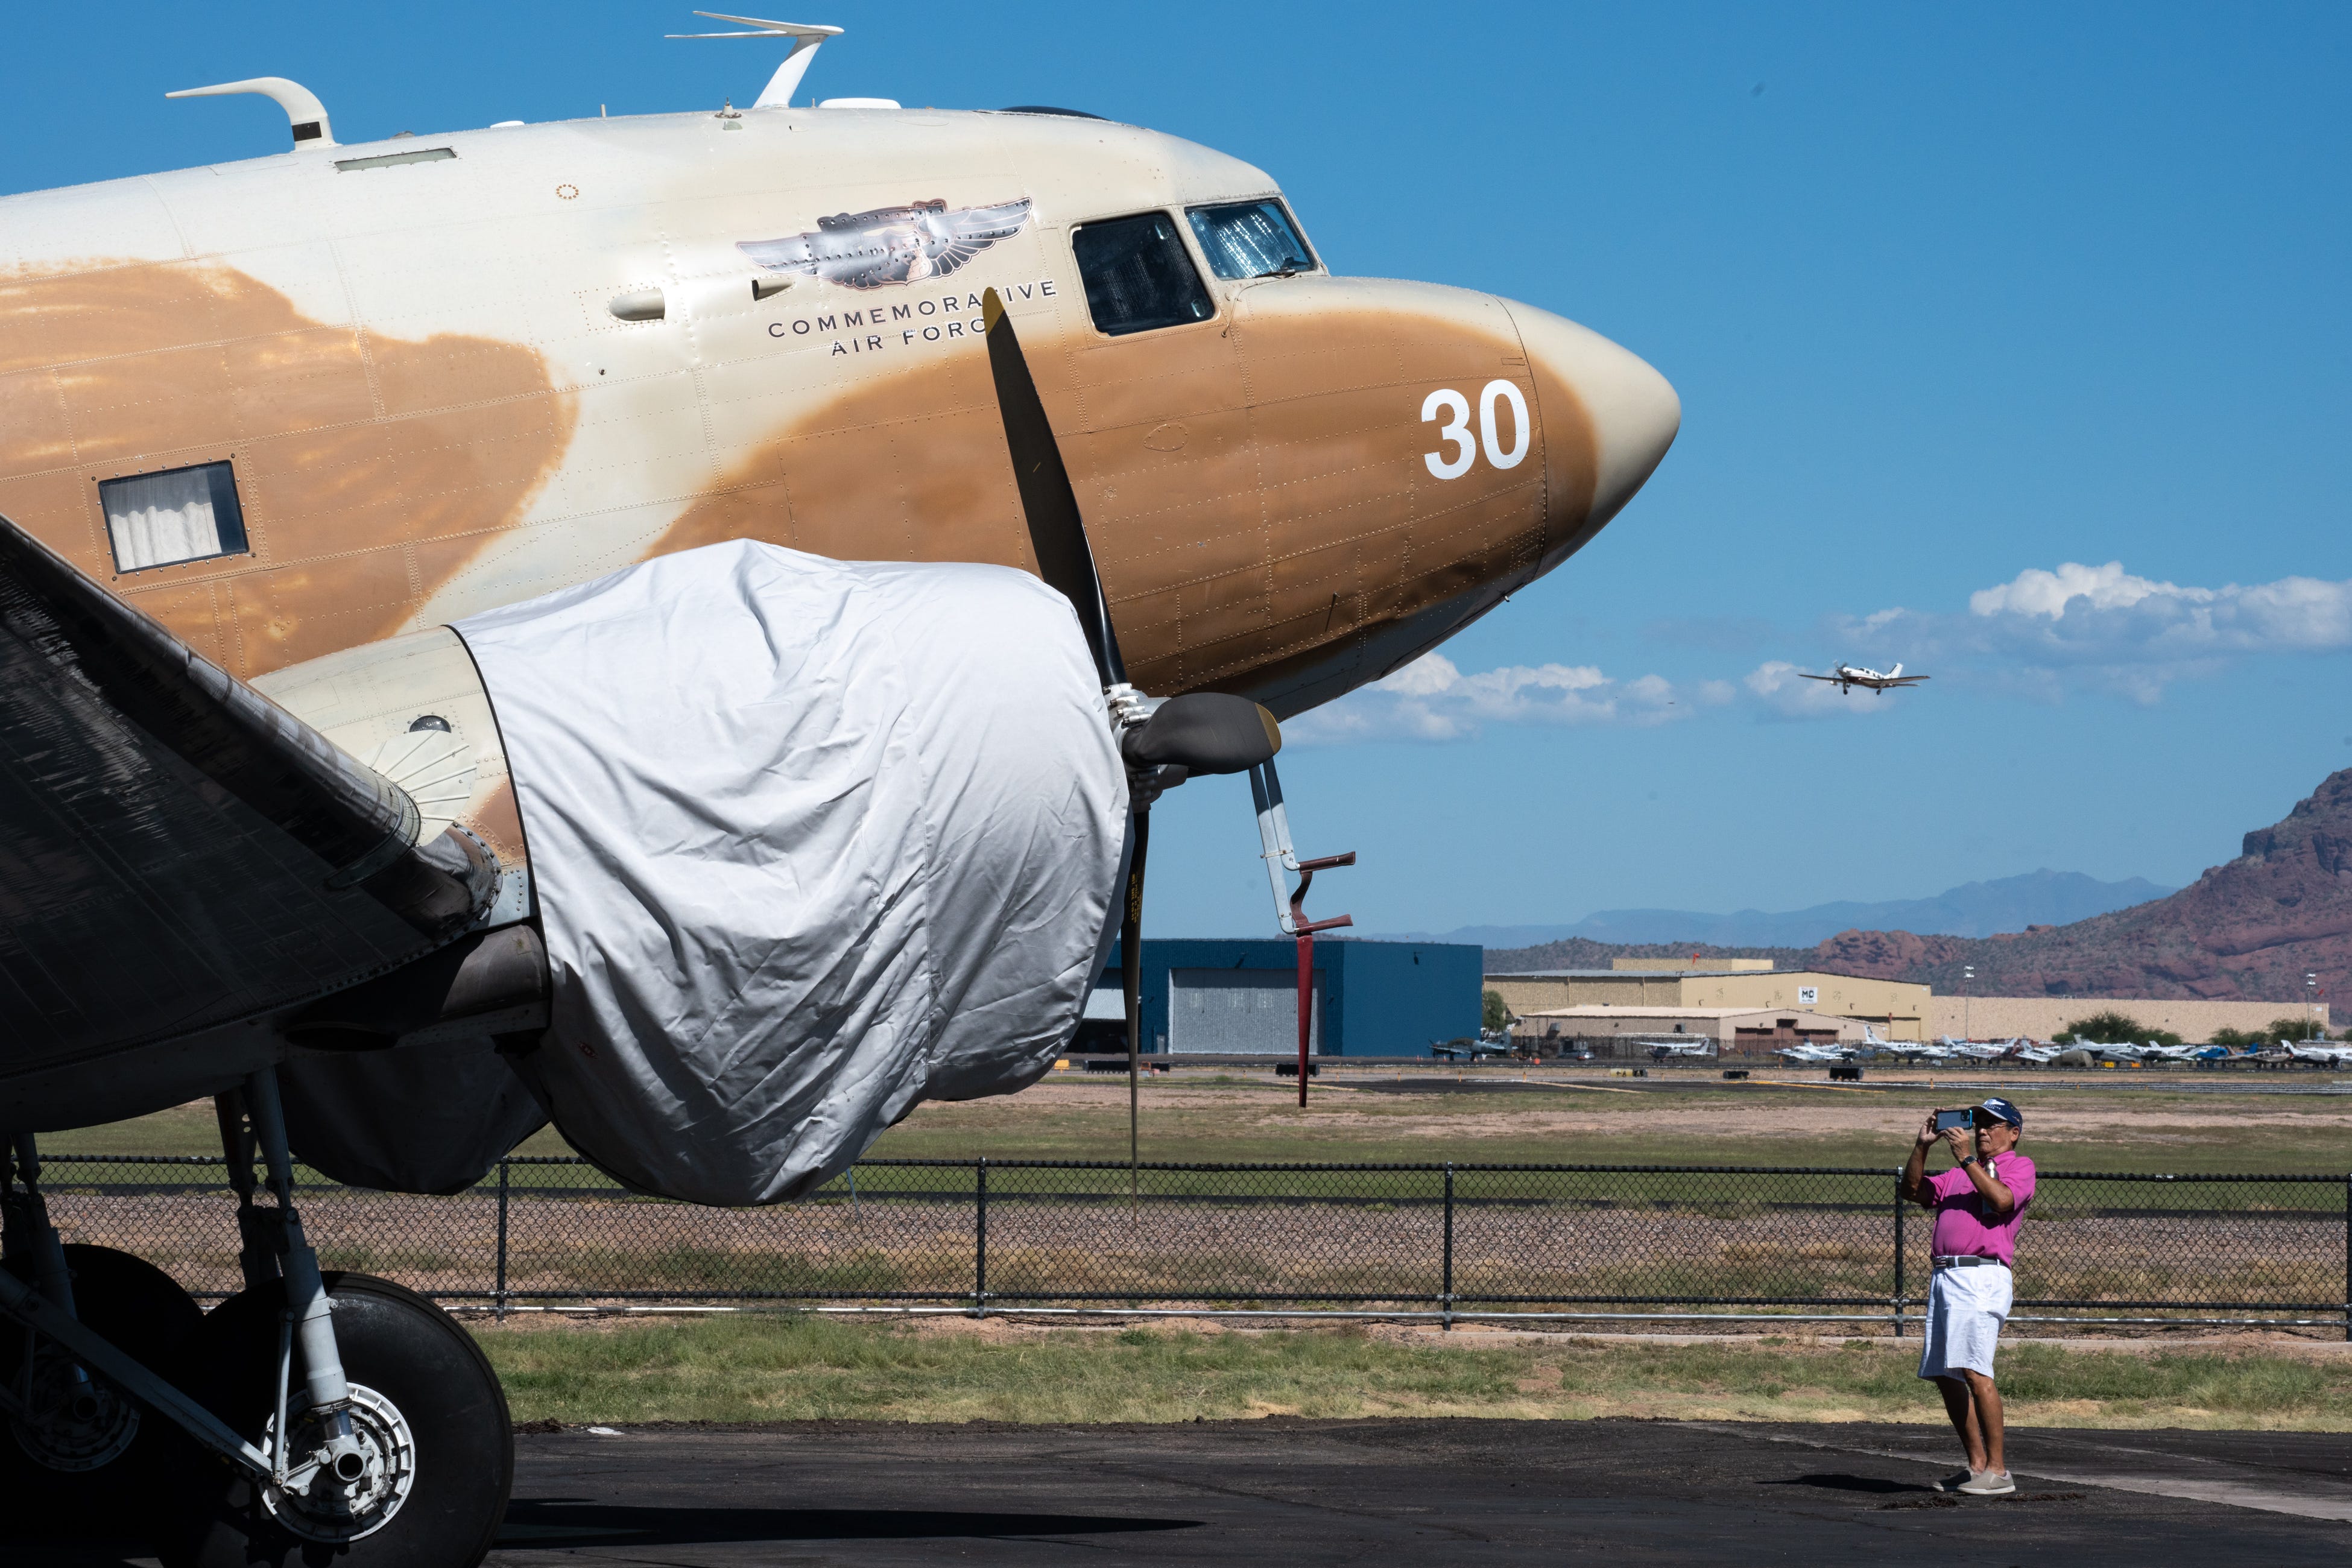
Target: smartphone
pixel 1945 1120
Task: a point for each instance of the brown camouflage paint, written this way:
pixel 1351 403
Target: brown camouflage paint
pixel 1254 485
pixel 361 460
pixel 1254 492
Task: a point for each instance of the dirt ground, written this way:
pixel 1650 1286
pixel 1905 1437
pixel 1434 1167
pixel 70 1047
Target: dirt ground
pixel 1542 1116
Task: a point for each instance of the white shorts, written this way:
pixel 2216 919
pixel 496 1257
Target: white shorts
pixel 1965 1307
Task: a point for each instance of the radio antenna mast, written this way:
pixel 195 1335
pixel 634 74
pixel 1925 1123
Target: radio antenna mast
pixel 805 36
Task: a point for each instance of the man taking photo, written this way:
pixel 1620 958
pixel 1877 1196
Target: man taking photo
pixel 1978 1204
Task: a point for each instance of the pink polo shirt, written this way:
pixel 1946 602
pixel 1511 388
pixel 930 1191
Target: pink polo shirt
pixel 1965 1224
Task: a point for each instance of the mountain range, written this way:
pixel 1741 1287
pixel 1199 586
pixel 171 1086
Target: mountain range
pixel 1973 909
pixel 2249 930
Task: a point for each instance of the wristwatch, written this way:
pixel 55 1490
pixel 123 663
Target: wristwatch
pixel 1970 1159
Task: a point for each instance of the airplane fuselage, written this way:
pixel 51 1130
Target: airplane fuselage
pixel 429 367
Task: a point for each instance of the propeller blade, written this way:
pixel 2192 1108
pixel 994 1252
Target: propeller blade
pixel 1057 534
pixel 1204 732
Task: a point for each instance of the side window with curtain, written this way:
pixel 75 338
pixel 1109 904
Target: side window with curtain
pixel 178 514
pixel 1139 276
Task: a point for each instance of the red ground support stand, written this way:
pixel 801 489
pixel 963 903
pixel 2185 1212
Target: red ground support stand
pixel 1274 833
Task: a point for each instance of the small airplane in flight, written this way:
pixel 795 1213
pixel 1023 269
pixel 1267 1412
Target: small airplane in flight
pixel 1849 676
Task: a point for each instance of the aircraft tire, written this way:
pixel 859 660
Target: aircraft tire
pixel 142 1311
pixel 429 1386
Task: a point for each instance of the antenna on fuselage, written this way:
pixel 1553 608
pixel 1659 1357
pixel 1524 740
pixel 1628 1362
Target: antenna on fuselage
pixel 303 111
pixel 807 36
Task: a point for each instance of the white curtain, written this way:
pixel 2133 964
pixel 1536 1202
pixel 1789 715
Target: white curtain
pixel 158 518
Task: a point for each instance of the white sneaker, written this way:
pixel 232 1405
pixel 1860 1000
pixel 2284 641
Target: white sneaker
pixel 1989 1484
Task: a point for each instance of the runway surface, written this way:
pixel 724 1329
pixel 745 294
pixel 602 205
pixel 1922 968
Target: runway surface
pixel 1301 1494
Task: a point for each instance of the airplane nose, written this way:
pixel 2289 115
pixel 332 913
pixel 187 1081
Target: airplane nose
pixel 1608 418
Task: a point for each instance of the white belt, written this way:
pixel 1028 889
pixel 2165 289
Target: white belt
pixel 1955 1262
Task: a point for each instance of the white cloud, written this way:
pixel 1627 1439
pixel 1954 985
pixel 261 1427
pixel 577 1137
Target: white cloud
pixel 2039 634
pixel 2102 626
pixel 2034 592
pixel 1431 700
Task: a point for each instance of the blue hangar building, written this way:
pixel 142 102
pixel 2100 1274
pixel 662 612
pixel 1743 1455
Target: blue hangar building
pixel 1240 997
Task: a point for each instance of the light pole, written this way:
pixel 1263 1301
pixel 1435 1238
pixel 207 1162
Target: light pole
pixel 1968 979
pixel 2310 1004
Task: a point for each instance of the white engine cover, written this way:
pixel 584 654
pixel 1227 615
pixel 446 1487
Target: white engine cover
pixel 812 841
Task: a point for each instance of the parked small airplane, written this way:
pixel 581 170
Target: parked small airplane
pixel 2321 1055
pixel 1814 1054
pixel 1665 1050
pixel 1981 1050
pixel 1850 676
pixel 1466 1047
pixel 1908 1050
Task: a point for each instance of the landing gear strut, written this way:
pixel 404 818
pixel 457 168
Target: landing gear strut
pixel 393 1447
pixel 309 1411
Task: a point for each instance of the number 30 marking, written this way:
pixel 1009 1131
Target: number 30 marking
pixel 1456 429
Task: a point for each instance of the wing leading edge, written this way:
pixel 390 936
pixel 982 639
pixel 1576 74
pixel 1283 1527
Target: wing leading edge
pixel 177 852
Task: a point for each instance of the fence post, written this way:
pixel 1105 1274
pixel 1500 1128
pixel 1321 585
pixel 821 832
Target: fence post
pixel 980 1243
pixel 499 1295
pixel 1898 1254
pixel 1447 1300
pixel 2347 1259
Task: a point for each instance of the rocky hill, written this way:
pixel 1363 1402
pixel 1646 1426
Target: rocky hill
pixel 1976 909
pixel 2247 931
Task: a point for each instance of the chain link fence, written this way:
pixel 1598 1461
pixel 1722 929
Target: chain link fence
pixel 1442 1241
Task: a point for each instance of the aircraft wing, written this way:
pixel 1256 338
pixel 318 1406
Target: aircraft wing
pixel 178 853
pixel 1833 679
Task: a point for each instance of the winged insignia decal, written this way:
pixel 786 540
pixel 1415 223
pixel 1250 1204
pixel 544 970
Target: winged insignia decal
pixel 890 245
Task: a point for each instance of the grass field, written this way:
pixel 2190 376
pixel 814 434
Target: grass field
pixel 795 1368
pixel 1203 1116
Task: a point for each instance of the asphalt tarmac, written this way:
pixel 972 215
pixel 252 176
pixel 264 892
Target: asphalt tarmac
pixel 1301 1494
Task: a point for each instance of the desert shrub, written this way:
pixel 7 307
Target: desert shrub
pixel 2111 1028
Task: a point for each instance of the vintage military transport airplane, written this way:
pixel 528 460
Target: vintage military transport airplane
pixel 268 429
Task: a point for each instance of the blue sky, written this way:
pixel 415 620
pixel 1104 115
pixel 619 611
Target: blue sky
pixel 1953 297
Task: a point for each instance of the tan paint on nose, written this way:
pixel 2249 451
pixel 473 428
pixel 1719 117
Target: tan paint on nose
pixel 1298 512
pixel 1627 413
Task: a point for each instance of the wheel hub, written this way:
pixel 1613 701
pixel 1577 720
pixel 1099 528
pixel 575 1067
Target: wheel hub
pixel 74 1423
pixel 338 1492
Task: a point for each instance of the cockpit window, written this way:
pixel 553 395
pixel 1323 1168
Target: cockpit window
pixel 1139 276
pixel 1251 239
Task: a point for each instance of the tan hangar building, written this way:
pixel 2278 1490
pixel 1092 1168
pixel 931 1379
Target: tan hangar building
pixel 1900 1009
pixel 1731 1030
pixel 2039 1018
